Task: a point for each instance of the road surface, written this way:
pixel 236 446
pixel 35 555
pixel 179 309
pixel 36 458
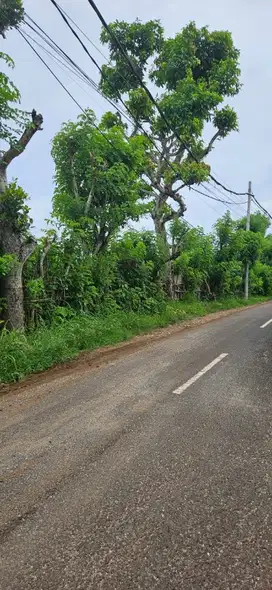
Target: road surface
pixel 153 472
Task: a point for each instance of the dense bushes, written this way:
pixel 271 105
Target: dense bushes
pixel 136 273
pixel 22 354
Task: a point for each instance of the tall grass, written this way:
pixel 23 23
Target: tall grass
pixel 23 354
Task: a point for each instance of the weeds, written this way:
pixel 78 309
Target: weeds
pixel 23 354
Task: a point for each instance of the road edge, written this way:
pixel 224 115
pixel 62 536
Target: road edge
pixel 90 360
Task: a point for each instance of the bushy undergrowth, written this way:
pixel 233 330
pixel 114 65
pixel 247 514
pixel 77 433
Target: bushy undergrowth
pixel 23 354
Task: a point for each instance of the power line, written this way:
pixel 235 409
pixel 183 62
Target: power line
pixel 261 207
pixel 66 90
pixel 50 70
pixel 65 18
pixel 153 100
pixel 84 34
pixel 83 75
pixel 64 67
pixel 219 190
pixel 49 41
pixel 214 198
pixel 231 200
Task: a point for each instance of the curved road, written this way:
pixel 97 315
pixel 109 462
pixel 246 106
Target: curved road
pixel 153 472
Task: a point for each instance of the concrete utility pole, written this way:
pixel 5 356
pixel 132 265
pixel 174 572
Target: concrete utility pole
pixel 247 229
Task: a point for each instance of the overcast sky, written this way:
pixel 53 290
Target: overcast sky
pixel 241 157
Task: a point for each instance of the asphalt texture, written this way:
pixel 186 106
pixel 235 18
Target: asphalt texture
pixel 110 481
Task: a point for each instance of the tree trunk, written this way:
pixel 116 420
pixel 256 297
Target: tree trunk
pixel 3 179
pixel 12 287
pixel 14 315
pixel 11 242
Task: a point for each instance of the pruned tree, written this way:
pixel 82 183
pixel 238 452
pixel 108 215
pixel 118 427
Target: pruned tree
pixel 194 73
pixel 15 238
pixel 16 129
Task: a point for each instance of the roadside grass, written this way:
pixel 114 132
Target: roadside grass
pixel 23 354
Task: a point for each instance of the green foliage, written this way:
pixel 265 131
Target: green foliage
pixel 12 13
pixel 195 72
pixel 209 57
pixel 21 355
pixel 6 263
pixel 14 210
pixel 98 178
pixel 259 223
pixel 12 119
pixel 225 120
pixel 140 41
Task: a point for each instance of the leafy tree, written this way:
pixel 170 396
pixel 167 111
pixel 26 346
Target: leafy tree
pixel 266 255
pixel 12 13
pixel 193 254
pixel 194 72
pixel 140 257
pixel 98 179
pixel 259 223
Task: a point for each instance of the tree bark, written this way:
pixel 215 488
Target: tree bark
pixel 11 242
pixel 12 283
pixel 14 316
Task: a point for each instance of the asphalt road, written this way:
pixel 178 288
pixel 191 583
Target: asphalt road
pixel 149 473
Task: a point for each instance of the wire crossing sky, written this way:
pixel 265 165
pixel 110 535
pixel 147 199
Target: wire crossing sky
pixel 240 157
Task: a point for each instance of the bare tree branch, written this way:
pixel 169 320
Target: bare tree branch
pixel 74 182
pixel 88 202
pixel 21 144
pixel 44 253
pixel 210 145
pixel 176 190
pixel 27 248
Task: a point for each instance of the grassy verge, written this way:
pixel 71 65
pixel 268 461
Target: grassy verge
pixel 21 355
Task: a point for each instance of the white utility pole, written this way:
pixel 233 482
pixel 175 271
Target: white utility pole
pixel 247 229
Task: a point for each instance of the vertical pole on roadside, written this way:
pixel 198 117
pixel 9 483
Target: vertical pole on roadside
pixel 247 229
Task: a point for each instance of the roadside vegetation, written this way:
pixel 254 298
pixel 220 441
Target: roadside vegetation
pixel 92 279
pixel 24 353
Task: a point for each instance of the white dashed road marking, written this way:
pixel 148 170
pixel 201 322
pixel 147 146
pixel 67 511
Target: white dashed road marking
pixel 185 386
pixel 266 324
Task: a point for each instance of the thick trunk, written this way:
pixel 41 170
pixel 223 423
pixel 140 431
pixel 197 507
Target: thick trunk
pixel 13 293
pixel 3 179
pixel 160 228
pixel 12 242
pixel 12 284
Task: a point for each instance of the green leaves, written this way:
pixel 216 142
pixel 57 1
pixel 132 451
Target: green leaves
pixel 194 71
pixel 140 41
pixel 225 120
pixel 12 119
pixel 98 177
pixel 14 210
pixel 208 57
pixel 12 13
pixel 6 263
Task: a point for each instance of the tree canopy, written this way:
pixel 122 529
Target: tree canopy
pixel 194 72
pixel 98 177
